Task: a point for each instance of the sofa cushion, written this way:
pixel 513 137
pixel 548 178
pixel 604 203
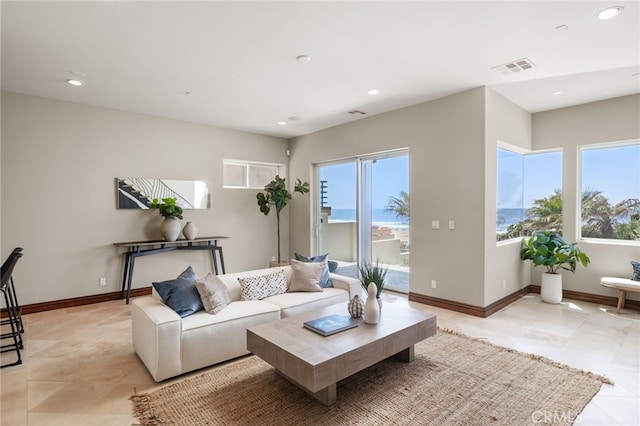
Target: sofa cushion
pixel 209 339
pixel 325 279
pixel 181 294
pixel 258 287
pixel 305 276
pixel 213 293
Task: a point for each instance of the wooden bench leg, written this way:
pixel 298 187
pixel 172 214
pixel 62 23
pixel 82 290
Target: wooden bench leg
pixel 621 298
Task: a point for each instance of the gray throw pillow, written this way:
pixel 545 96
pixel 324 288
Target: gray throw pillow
pixel 181 294
pixel 305 276
pixel 213 293
pixel 325 278
pixel 636 271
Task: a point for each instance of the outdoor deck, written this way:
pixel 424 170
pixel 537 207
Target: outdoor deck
pixel 397 276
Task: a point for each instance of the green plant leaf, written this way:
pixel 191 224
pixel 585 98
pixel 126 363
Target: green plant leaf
pixel 548 249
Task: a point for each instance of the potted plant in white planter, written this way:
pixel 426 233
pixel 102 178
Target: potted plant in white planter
pixel 549 249
pixel 170 227
pixel 373 273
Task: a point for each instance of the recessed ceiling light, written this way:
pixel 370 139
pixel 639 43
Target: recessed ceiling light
pixel 75 82
pixel 303 58
pixel 373 92
pixel 609 12
pixel 282 123
pixel 556 93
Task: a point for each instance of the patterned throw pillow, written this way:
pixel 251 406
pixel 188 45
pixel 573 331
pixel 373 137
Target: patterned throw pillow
pixel 325 279
pixel 261 286
pixel 636 271
pixel 305 276
pixel 214 294
pixel 181 294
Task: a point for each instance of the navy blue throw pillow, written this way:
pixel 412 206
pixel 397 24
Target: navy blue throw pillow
pixel 325 279
pixel 636 271
pixel 181 294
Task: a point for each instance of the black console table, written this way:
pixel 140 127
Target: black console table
pixel 136 249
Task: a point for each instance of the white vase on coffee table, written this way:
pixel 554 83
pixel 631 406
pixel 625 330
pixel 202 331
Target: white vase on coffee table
pixel 371 308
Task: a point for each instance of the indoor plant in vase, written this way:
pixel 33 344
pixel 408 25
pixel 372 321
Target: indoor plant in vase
pixel 549 249
pixel 277 196
pixel 373 273
pixel 170 227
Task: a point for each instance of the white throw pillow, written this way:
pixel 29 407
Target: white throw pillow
pixel 260 286
pixel 306 276
pixel 213 293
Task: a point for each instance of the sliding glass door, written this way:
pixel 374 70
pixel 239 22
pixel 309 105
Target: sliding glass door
pixel 338 216
pixel 364 215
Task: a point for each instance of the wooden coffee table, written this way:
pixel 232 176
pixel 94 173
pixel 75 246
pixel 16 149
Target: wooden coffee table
pixel 316 363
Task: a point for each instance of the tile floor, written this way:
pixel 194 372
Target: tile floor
pixel 79 366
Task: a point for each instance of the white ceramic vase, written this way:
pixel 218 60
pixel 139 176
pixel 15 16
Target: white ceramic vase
pixel 551 288
pixel 170 228
pixel 190 231
pixel 371 308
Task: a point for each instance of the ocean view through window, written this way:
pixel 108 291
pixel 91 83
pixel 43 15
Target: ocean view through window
pixel 529 195
pixel 364 215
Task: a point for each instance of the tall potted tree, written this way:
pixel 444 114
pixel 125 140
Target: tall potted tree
pixel 277 196
pixel 549 249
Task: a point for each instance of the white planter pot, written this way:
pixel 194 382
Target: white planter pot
pixel 170 228
pixel 551 289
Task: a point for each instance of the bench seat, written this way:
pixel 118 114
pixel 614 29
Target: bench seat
pixel 623 285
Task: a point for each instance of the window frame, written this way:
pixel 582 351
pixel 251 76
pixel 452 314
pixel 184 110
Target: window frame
pixel 580 149
pixel 280 171
pixel 524 152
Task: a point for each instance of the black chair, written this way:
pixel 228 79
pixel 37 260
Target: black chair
pixel 13 295
pixel 14 319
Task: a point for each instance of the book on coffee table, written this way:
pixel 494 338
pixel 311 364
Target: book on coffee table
pixel 331 324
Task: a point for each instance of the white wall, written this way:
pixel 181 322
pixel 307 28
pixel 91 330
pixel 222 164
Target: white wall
pixel 59 162
pixel 504 272
pixel 445 138
pixel 568 128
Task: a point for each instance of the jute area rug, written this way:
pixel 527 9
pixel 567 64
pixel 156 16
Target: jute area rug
pixel 454 380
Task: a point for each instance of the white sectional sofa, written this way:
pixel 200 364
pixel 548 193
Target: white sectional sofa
pixel 169 345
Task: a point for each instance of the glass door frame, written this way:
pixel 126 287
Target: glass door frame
pixel 364 193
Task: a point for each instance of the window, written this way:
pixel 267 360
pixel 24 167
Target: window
pixel 250 175
pixel 529 195
pixel 610 188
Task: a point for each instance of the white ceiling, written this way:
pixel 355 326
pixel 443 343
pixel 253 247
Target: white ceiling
pixel 238 59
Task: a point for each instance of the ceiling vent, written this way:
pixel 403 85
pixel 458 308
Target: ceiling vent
pixel 515 66
pixel 356 112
